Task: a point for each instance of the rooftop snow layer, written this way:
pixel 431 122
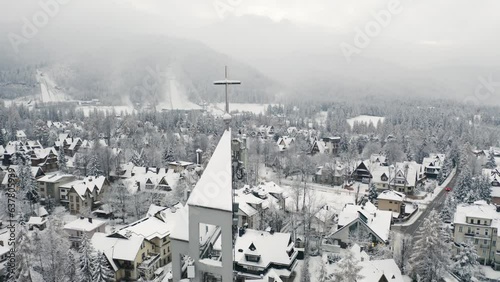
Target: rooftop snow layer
pixel 214 189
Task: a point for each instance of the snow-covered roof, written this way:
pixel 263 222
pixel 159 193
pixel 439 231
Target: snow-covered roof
pixel 20 134
pixel 149 228
pixel 478 209
pixel 89 183
pixel 214 189
pixel 376 268
pixel 117 248
pixel 378 221
pixel 377 158
pixel 54 177
pixel 142 176
pixel 159 223
pixel 391 195
pixel 84 224
pixel 36 220
pixel 433 160
pixel 34 171
pixel 181 230
pixel 272 248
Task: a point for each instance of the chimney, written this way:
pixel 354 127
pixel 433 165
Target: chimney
pixel 198 156
pixel 90 219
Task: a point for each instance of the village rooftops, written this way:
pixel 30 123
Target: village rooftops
pixel 391 195
pixel 84 224
pixel 214 189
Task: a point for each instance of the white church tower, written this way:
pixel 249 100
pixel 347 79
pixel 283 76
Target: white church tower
pixel 208 215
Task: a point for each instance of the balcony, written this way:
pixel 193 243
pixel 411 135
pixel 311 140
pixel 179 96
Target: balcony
pixel 150 261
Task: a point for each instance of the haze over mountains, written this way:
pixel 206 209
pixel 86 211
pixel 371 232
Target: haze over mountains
pixel 95 53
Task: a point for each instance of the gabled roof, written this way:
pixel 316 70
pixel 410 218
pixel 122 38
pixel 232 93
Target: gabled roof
pixel 84 224
pixel 378 221
pixel 272 248
pixel 119 248
pixel 391 195
pixel 88 184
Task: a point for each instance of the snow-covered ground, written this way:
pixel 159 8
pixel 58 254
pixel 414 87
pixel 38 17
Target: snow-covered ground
pixel 106 109
pixel 490 273
pixel 365 119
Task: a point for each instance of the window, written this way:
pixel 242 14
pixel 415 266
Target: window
pixel 164 252
pixel 472 220
pixel 486 232
pixel 460 229
pixel 476 241
pixel 494 243
pixel 390 202
pixel 485 241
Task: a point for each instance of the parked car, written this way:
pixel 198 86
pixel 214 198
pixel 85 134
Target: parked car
pixel 448 189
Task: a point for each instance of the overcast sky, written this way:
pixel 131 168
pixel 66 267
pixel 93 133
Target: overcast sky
pixel 451 29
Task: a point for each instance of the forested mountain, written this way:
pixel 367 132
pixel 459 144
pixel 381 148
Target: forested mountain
pixel 119 69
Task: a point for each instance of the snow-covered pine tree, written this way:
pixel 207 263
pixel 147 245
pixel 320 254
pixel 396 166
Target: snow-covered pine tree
pixel 22 271
pixel 168 155
pixel 372 193
pixel 348 269
pixel 463 159
pixel 2 139
pixel 465 263
pixel 306 276
pixel 322 273
pixel 430 257
pixel 483 187
pixel 61 160
pixel 491 163
pixel 72 267
pixel 448 210
pixel 402 253
pixel 101 271
pixel 55 245
pixel 441 177
pixel 464 185
pixel 94 167
pixel 86 258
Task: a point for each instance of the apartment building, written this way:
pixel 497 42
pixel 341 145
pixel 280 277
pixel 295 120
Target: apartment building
pixel 478 224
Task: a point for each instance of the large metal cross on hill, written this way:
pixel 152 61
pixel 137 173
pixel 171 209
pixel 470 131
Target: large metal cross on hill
pixel 226 82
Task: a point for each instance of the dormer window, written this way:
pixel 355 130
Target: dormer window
pixel 252 258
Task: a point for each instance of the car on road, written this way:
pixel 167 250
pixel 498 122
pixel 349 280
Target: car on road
pixel 448 189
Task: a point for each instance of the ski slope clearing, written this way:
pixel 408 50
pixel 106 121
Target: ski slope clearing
pixel 50 92
pixel 175 97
